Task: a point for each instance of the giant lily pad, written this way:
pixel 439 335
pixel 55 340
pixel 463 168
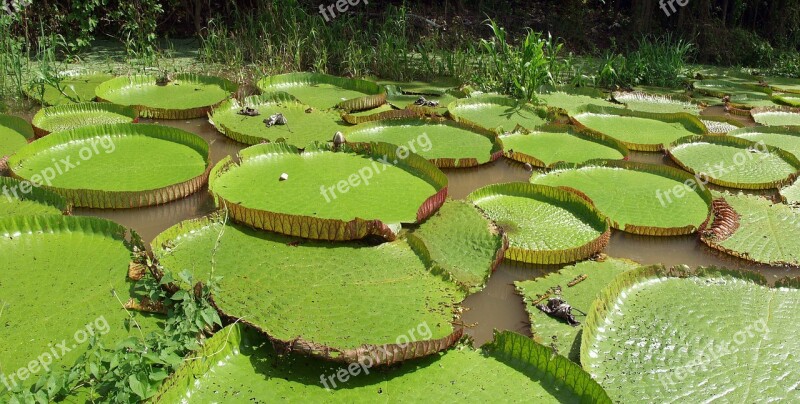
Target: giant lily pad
pixel 324 92
pixel 578 285
pixel 721 88
pixel 785 84
pixel 734 162
pixel 545 225
pixel 460 243
pixel 784 138
pixel 362 189
pixel 73 116
pixel 338 302
pixel 74 87
pixel 639 198
pixel 640 131
pixel 791 100
pixel 777 116
pixel 64 280
pixel 755 229
pixel 14 134
pixel 304 124
pixel 236 364
pixel 18 198
pixel 183 96
pixel 497 113
pixel 551 144
pixel 639 101
pixel 571 100
pixel 660 335
pixel 116 166
pixel 445 143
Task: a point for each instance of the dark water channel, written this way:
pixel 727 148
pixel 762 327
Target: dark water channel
pixel 497 306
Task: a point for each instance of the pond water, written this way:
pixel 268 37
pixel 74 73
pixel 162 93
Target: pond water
pixel 497 306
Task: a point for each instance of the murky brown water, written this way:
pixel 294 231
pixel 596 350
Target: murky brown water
pixel 497 306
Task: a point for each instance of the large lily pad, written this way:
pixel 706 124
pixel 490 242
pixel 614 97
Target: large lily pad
pixel 778 116
pixel 64 280
pixel 323 91
pixel 184 96
pixel 304 124
pixel 20 199
pixel 578 285
pixel 784 138
pixel 72 88
pixel 73 116
pixel 661 104
pixel 571 100
pixel 460 243
pixel 660 335
pixel 734 162
pixel 116 166
pixel 786 84
pixel 638 198
pixel 755 229
pixel 497 113
pixel 14 134
pixel 552 144
pixel 236 365
pixel 721 88
pixel 642 131
pixel 362 189
pixel 338 302
pixel 791 100
pixel 445 143
pixel 545 225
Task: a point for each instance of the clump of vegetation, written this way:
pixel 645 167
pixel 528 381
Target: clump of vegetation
pixel 657 61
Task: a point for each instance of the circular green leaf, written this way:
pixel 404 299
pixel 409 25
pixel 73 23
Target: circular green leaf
pixel 323 91
pixel 328 194
pixel 497 113
pixel 116 166
pixel 784 116
pixel 639 198
pixel 571 100
pixel 184 96
pixel 545 225
pixel 72 88
pixel 73 116
pixel 14 134
pixel 23 200
pixel 783 138
pixel 551 144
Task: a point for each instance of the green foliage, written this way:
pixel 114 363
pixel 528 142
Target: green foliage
pixel 133 369
pixel 657 61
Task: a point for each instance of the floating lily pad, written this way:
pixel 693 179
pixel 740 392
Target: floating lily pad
pixel 661 104
pixel 73 88
pixel 445 143
pixel 116 166
pixel 660 335
pixel 324 92
pixel 497 113
pixel 641 131
pixel 792 100
pixel 385 111
pixel 570 100
pixel 720 125
pixel 73 116
pixel 785 84
pixel 337 302
pixel 402 101
pixel 14 134
pixel 750 100
pixel 304 124
pixel 721 88
pixel 755 229
pixel 18 198
pixel 363 189
pixel 184 96
pixel 80 263
pixel 734 162
pixel 638 198
pixel 579 285
pixel 460 243
pixel 437 86
pixel 784 138
pixel 551 144
pixel 545 225
pixel 236 364
pixel 777 116
pixel 791 194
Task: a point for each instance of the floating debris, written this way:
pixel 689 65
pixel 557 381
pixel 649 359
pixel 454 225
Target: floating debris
pixel 309 110
pixel 578 279
pixel 423 102
pixel 338 139
pixel 277 119
pixel 283 177
pixel 559 308
pixel 247 111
